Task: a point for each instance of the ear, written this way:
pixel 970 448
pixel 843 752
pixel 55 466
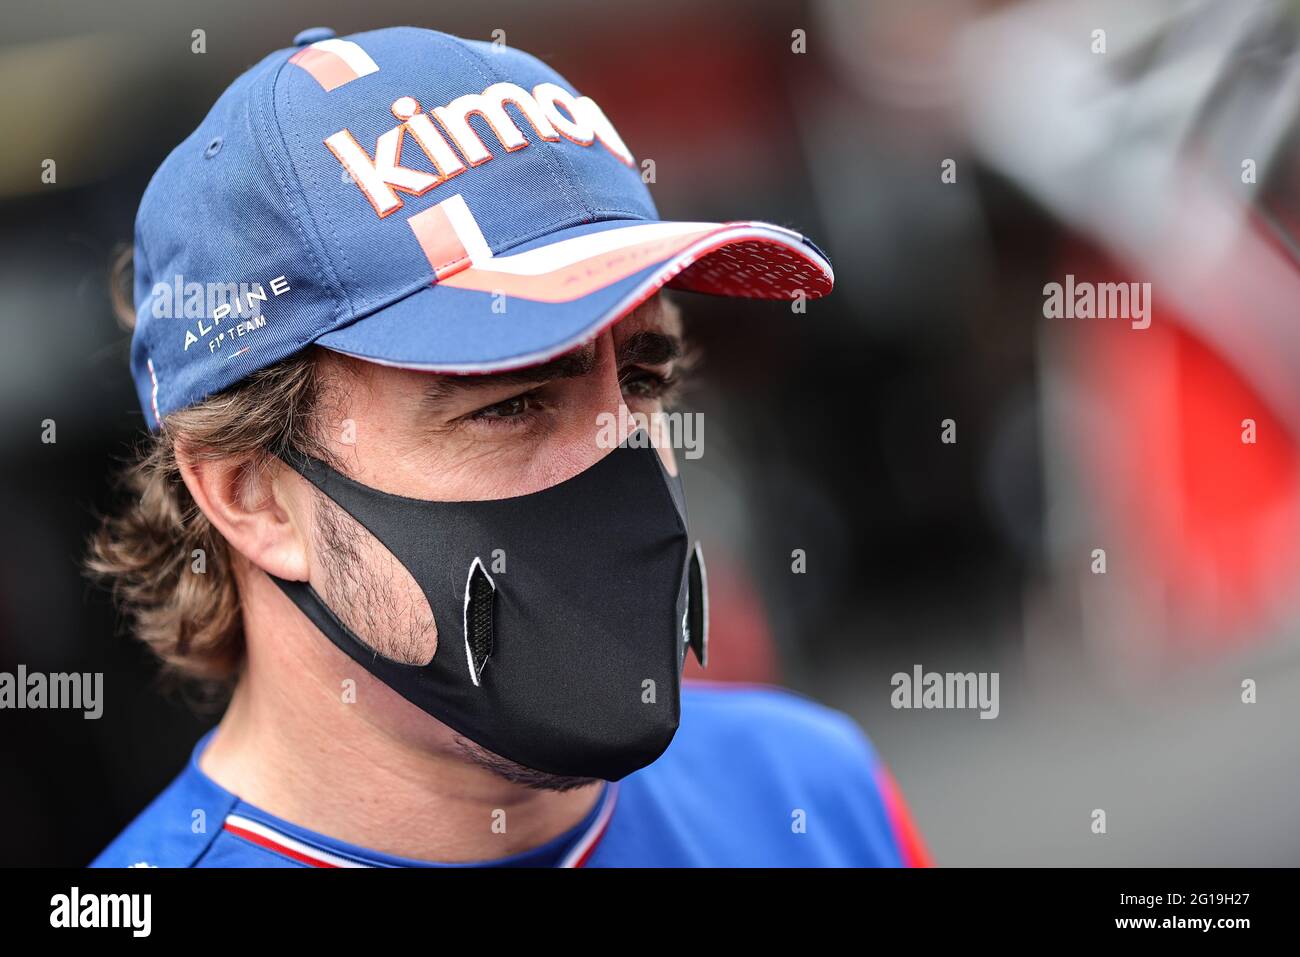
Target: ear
pixel 261 510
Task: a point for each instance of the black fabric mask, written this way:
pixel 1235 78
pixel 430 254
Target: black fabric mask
pixel 548 660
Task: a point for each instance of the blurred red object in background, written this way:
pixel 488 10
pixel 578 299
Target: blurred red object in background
pixel 1191 466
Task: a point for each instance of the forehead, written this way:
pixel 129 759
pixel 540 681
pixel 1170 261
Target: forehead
pixel 658 313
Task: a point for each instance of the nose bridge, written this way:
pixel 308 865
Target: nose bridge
pixel 605 375
pixel 612 407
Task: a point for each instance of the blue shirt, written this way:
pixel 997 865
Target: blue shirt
pixel 756 776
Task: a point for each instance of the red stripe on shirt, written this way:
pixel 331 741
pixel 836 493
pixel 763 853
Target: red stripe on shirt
pixel 906 834
pixel 271 845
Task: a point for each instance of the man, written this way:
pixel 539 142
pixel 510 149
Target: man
pixel 384 500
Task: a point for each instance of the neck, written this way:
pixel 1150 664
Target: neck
pixel 314 739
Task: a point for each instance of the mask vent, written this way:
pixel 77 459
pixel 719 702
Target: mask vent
pixel 480 591
pixel 697 607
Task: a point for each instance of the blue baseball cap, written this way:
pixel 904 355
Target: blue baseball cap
pixel 417 200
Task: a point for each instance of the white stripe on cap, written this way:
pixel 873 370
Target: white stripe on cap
pixel 349 53
pixel 547 259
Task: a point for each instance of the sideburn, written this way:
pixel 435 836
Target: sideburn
pixel 371 590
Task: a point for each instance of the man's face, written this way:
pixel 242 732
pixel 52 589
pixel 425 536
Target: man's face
pixel 469 438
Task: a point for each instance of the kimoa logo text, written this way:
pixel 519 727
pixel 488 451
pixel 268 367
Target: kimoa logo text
pixel 552 111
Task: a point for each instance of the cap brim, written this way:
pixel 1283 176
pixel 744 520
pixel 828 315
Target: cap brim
pixel 551 295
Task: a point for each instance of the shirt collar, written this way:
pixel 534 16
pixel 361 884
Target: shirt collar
pixel 247 822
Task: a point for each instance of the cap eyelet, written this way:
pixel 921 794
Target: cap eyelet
pixel 313 35
pixel 213 148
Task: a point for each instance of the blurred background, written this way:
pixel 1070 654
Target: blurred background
pixel 1164 149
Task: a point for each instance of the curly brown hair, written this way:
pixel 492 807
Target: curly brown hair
pixel 147 551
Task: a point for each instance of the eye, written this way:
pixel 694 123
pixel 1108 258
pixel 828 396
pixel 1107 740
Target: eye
pixel 646 384
pixel 515 407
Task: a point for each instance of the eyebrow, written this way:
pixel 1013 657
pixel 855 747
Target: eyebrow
pixel 648 348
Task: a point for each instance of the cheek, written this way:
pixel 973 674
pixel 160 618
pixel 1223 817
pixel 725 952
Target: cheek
pixel 587 427
pixel 371 591
pixel 662 439
pixel 650 413
pixel 579 443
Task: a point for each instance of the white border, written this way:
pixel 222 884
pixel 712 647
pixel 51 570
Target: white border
pixel 739 233
pixel 595 832
pixel 469 657
pixel 704 592
pixel 285 840
pixel 350 53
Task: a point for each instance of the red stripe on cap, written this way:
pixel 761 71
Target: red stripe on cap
pixel 578 279
pixel 442 246
pixel 752 268
pixel 330 70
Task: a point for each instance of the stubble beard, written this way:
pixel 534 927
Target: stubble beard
pixel 385 618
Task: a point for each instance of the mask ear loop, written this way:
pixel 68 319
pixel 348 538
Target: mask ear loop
pixel 480 591
pixel 697 607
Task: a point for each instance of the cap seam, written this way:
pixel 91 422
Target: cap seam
pixel 320 263
pixel 333 232
pixel 561 180
pixel 596 214
pixel 148 266
pixel 461 48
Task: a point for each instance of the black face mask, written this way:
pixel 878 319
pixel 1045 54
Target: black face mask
pixel 563 616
